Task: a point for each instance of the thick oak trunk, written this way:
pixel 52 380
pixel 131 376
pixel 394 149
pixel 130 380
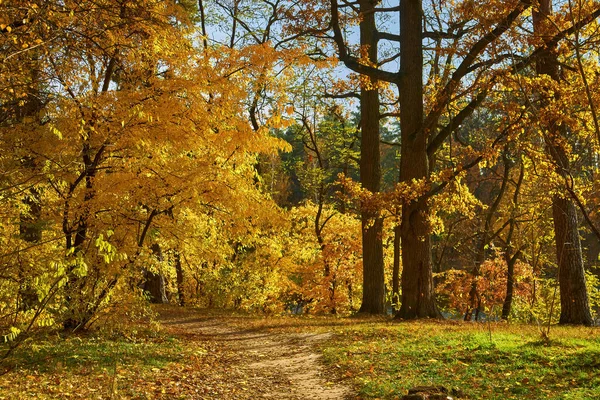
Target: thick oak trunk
pixel 574 300
pixel 418 299
pixel 370 174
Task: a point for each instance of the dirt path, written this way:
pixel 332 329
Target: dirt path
pixel 257 363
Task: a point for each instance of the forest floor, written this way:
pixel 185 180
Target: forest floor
pixel 256 360
pixel 186 353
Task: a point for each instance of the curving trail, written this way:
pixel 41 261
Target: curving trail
pixel 248 362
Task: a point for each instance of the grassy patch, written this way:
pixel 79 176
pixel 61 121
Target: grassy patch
pixel 131 361
pixel 386 359
pixel 123 361
pixel 91 366
pixel 382 359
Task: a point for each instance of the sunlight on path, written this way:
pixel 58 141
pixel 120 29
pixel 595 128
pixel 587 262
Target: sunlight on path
pixel 274 365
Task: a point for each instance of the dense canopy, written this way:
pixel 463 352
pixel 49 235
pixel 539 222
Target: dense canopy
pixel 435 159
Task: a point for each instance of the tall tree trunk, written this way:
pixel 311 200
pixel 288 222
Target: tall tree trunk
pixel 30 228
pixel 370 173
pixel 574 300
pixel 154 284
pixel 180 279
pixel 80 311
pixel 418 298
pixel 78 306
pixel 510 284
pixel 396 269
pixel 508 245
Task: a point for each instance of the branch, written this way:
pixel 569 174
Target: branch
pixel 464 67
pixel 493 61
pixel 540 51
pixel 346 95
pixel 439 139
pixel 392 37
pixel 470 165
pixel 352 62
pixel 153 214
pixel 577 200
pixel 109 72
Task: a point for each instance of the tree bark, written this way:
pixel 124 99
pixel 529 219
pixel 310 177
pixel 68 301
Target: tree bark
pixel 30 227
pixel 154 284
pixel 370 173
pixel 574 300
pixel 418 298
pixel 396 270
pixel 180 279
pixel 512 260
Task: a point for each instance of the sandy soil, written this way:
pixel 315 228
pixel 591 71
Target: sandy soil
pixel 261 363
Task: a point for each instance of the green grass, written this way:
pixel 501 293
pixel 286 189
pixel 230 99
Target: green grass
pixel 381 359
pixel 386 359
pixel 95 366
pixel 97 353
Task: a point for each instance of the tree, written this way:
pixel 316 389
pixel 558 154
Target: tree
pixel 421 137
pixel 574 301
pixel 370 170
pixel 417 283
pixel 139 131
pixel 471 55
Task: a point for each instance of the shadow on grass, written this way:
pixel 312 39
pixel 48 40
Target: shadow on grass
pixel 92 354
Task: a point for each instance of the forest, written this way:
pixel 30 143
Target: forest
pixel 391 161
